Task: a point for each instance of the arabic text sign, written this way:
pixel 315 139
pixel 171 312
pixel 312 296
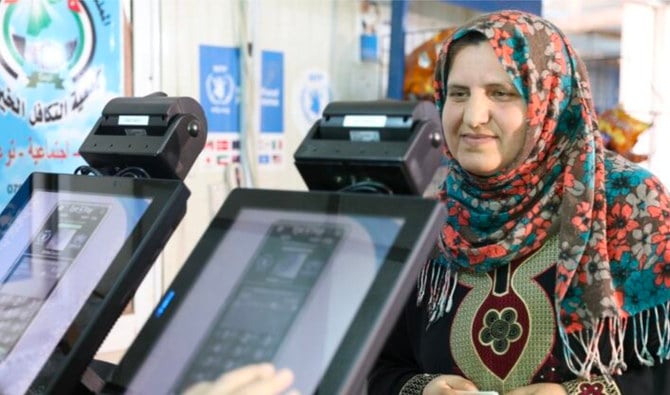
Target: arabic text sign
pixel 61 64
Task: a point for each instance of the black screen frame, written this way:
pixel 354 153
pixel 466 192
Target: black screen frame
pixel 63 370
pixel 354 357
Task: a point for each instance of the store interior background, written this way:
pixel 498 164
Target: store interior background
pixel 625 44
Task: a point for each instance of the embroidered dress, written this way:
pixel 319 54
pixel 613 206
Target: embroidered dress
pixel 607 276
pixel 501 334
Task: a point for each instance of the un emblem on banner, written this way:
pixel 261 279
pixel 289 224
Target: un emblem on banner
pixel 314 95
pixel 220 88
pixel 45 42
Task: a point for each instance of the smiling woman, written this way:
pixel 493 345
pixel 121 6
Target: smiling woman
pixel 484 114
pixel 550 275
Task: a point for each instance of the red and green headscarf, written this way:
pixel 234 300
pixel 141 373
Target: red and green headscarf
pixel 612 217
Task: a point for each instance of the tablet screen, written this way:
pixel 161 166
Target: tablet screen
pixel 305 280
pixel 300 278
pixel 73 250
pixel 57 248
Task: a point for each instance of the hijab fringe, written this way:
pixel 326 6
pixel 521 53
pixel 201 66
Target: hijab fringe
pixel 582 363
pixel 439 283
pixel 663 330
pixel 641 333
pixel 441 286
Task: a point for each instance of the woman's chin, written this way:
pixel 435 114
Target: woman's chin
pixel 480 170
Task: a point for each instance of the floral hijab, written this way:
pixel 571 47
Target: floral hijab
pixel 612 218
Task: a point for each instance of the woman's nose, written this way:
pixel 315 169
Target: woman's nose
pixel 476 112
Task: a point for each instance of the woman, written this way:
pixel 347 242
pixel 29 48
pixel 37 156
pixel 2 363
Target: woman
pixel 553 274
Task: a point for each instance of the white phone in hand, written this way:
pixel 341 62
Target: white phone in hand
pixel 459 392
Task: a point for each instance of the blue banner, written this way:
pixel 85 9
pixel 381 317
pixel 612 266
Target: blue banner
pixel 61 61
pixel 369 48
pixel 272 92
pixel 532 6
pixel 220 87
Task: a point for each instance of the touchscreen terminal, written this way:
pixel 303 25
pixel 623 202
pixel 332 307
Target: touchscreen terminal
pixel 38 268
pixel 74 249
pixel 274 287
pixel 306 280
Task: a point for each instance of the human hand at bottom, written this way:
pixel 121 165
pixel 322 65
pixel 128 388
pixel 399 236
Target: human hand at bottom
pixel 540 389
pixel 447 384
pixel 258 379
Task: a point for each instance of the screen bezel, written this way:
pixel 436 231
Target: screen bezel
pixel 64 368
pixel 382 303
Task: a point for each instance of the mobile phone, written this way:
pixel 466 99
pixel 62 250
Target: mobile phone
pixel 459 392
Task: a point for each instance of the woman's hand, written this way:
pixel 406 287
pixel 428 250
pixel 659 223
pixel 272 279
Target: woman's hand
pixel 259 379
pixel 540 389
pixel 447 384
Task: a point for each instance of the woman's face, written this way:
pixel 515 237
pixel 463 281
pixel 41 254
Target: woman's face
pixel 484 116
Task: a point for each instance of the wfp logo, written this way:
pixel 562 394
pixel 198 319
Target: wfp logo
pixel 314 95
pixel 45 42
pixel 220 88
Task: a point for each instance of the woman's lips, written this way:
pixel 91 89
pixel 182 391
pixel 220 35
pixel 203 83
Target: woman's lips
pixel 477 139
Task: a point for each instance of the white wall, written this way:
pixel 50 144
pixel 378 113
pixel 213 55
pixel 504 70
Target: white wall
pixel 313 35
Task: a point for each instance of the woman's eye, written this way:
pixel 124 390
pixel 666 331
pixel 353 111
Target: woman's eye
pixel 457 94
pixel 503 94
